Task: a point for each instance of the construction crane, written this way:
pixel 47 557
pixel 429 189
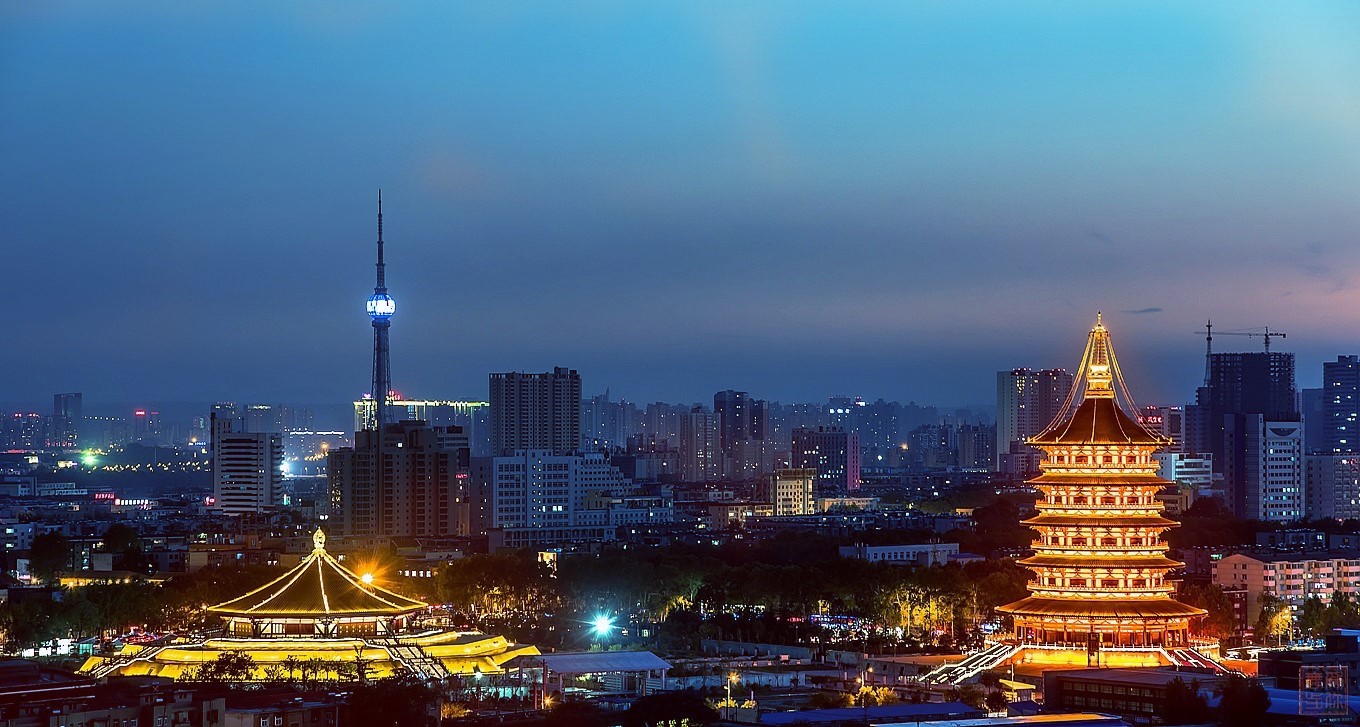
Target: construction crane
pixel 1264 332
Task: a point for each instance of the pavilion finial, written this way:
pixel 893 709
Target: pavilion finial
pixel 319 539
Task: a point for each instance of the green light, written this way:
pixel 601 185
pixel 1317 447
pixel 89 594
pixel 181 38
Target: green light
pixel 89 460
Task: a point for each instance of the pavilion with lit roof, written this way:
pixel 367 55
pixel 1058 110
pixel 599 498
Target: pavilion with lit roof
pixel 323 614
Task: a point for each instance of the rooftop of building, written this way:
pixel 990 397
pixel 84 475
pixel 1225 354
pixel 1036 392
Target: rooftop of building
pixel 1151 676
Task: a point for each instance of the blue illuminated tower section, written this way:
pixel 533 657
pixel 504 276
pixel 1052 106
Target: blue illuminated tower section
pixel 380 309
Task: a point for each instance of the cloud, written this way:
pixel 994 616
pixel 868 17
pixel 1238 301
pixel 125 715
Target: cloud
pixel 1142 311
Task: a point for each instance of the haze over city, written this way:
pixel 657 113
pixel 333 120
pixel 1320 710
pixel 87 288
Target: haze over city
pixel 671 198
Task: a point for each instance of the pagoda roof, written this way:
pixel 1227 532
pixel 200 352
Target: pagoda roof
pixel 1099 421
pixel 318 587
pixel 1091 560
pixel 1102 608
pixel 1096 520
pixel 1086 480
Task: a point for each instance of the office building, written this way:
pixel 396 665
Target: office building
pixel 471 416
pixel 534 497
pixel 1264 476
pixel 247 469
pixel 1026 402
pixel 701 457
pixel 920 555
pixel 788 490
pixel 1341 405
pixel 411 482
pixel 535 411
pixel 68 418
pixel 1188 469
pixel 833 452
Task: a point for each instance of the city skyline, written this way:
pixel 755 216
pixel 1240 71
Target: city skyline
pixel 800 213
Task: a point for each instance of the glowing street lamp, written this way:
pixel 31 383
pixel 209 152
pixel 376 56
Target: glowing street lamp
pixel 602 625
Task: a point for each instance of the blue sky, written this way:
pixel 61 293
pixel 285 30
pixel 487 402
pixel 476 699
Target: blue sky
pixel 799 199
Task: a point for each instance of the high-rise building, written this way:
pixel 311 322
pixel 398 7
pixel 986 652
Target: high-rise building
pixel 701 458
pixel 1240 383
pixel 412 483
pixel 1341 405
pixel 262 418
pixel 1026 402
pixel 788 490
pixel 247 469
pixel 739 417
pixel 1313 416
pixel 1331 483
pixel 1100 592
pixel 1264 473
pixel 68 416
pixel 535 411
pixel 977 446
pixel 1168 421
pixel 832 451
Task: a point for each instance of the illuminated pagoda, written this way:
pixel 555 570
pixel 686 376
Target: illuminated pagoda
pixel 320 610
pixel 1100 593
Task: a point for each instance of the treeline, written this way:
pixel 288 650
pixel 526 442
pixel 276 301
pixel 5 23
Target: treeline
pixel 740 590
pixel 110 609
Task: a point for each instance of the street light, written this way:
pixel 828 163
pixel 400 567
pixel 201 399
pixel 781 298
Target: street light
pixel 731 679
pixel 602 625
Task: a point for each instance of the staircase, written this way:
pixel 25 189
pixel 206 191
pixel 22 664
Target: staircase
pixel 1192 658
pixel 113 663
pixel 418 662
pixel 975 664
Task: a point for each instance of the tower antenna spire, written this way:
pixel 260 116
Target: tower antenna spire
pixel 380 310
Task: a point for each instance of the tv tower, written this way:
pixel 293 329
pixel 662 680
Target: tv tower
pixel 380 309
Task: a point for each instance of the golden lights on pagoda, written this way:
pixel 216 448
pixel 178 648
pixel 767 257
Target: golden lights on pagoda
pixel 1099 593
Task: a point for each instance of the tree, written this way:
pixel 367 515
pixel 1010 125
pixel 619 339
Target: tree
pixel 1221 621
pixel 1184 703
pixel 673 708
pixel 970 694
pixel 124 542
pixel 828 700
pixel 50 553
pixel 229 667
pixel 1313 616
pixel 1242 702
pixel 996 701
pixel 392 702
pixel 1275 619
pixel 576 714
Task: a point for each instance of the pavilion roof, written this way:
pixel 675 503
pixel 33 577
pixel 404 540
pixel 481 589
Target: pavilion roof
pixel 318 587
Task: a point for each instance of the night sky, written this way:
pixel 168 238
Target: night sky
pixel 803 199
